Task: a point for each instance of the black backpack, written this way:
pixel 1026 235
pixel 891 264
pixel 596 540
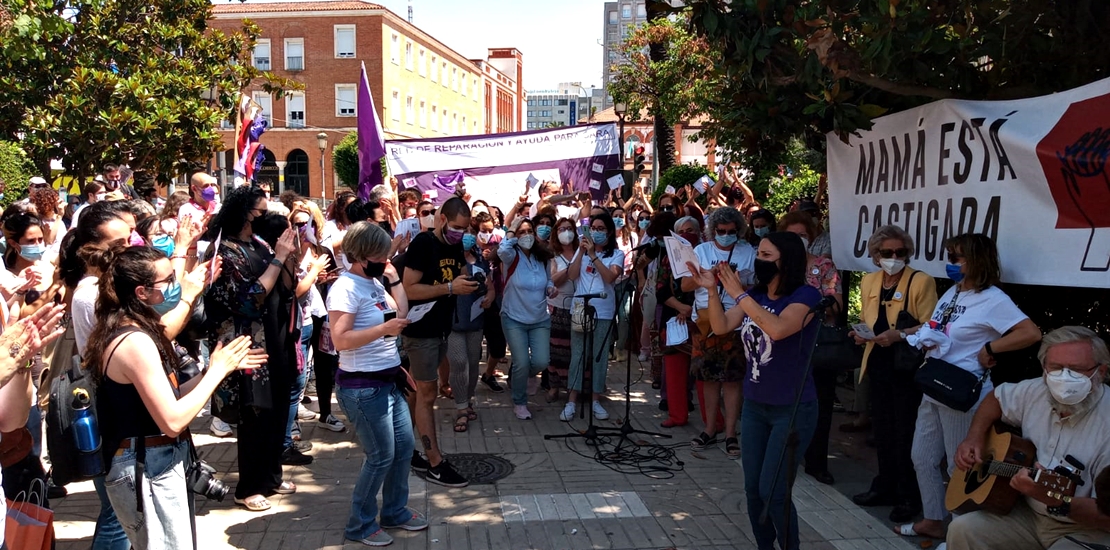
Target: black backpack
pixel 60 439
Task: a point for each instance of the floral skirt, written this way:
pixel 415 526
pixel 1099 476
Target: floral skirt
pixel 717 358
pixel 560 348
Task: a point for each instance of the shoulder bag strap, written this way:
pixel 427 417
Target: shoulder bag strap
pixel 909 285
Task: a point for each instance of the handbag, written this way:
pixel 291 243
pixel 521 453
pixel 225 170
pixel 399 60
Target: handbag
pixel 946 383
pixel 906 358
pixel 29 526
pixel 835 350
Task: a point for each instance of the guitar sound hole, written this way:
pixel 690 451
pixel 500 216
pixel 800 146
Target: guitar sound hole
pixel 977 476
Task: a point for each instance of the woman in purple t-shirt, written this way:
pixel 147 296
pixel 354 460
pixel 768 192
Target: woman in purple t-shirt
pixel 778 333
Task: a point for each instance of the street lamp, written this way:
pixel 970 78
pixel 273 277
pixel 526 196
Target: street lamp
pixel 621 109
pixel 322 142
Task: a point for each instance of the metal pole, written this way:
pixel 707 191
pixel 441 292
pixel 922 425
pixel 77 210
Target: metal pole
pixel 621 140
pixel 323 180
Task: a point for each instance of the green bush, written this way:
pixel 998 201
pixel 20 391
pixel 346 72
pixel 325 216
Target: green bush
pixel 798 182
pixel 15 170
pixel 679 175
pixel 344 160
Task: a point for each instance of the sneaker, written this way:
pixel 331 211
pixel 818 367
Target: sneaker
pixel 533 385
pixel 295 431
pixel 491 383
pixel 568 412
pixel 643 357
pixel 292 457
pixel 443 474
pixel 379 538
pixel 219 428
pixel 522 412
pixel 302 446
pixel 331 423
pixel 305 414
pixel 419 463
pixel 599 412
pixel 309 389
pixel 417 523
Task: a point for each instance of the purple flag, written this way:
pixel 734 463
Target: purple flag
pixel 371 140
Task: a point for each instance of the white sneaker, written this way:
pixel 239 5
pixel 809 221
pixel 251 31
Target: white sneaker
pixel 522 412
pixel 599 412
pixel 305 414
pixel 331 423
pixel 533 385
pixel 219 428
pixel 295 432
pixel 643 357
pixel 568 412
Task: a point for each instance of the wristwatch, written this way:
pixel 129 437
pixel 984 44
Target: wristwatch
pixel 902 334
pixel 275 261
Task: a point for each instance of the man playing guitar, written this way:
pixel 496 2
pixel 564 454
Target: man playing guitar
pixel 1066 415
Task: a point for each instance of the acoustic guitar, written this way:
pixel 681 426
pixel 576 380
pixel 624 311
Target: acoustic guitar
pixel 987 485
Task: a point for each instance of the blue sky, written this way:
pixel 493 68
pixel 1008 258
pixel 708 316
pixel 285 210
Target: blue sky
pixel 559 39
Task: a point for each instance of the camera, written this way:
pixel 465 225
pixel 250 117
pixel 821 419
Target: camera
pixel 187 366
pixel 480 278
pixel 201 479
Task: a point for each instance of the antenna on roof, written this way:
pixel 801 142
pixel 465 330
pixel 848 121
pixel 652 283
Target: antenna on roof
pixel 410 11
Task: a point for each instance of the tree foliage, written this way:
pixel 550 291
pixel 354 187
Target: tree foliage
pixel 344 160
pixel 89 82
pixel 15 171
pixel 680 175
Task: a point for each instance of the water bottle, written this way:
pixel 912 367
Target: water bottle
pixel 87 434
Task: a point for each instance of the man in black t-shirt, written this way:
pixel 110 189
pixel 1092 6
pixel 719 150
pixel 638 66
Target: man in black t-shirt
pixel 433 267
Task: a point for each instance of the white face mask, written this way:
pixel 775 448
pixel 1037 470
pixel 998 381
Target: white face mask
pixel 526 241
pixel 566 237
pixel 484 237
pixel 427 222
pixel 805 243
pixel 892 266
pixel 1067 386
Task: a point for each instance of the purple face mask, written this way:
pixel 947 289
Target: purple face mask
pixel 209 194
pixel 452 236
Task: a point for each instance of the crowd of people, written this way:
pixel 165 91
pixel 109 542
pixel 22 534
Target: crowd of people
pixel 279 301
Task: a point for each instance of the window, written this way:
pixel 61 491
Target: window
pixel 641 11
pixel 626 11
pixel 266 101
pixel 294 110
pixel 435 69
pixel 444 74
pixel 262 54
pixel 463 128
pixel 530 113
pixel 547 103
pixel 408 55
pixel 435 118
pixel 410 113
pixel 613 18
pixel 421 65
pixel 423 114
pixel 344 41
pixel 562 102
pixel 455 78
pixel 612 36
pixel 294 54
pixel 446 122
pixel 395 105
pixel 345 99
pixel 395 50
pixel 531 103
pixel 561 112
pixel 455 124
pixel 462 85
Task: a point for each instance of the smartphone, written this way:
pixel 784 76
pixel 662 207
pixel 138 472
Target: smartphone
pixel 389 314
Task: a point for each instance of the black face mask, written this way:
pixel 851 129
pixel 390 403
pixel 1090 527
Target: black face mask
pixel 387 227
pixel 765 271
pixel 374 269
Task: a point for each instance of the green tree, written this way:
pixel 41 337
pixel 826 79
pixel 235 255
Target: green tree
pixel 678 176
pixel 145 82
pixel 15 170
pixel 344 160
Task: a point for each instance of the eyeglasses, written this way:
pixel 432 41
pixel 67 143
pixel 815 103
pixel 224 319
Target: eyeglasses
pixel 723 232
pixel 427 212
pixel 888 253
pixel 1053 367
pixel 598 228
pixel 172 277
pixel 954 257
pixel 643 219
pixel 667 208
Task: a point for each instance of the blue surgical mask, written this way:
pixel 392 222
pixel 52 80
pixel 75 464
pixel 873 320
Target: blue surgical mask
pixel 543 232
pixel 171 296
pixel 32 252
pixel 619 222
pixel 761 231
pixel 163 244
pixel 598 237
pixel 644 224
pixel 953 272
pixel 469 241
pixel 725 240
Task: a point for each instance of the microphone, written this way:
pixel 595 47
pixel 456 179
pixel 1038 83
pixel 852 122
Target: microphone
pixel 825 303
pixel 589 297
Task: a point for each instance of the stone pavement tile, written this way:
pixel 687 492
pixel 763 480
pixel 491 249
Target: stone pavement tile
pixel 598 535
pixel 518 538
pixel 537 536
pixel 618 534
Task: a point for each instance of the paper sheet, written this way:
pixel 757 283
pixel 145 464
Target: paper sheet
pixel 677 332
pixel 598 167
pixel 679 252
pixel 409 227
pixel 416 313
pixel 615 182
pixel 669 190
pixel 702 184
pixel 476 309
pixel 594 184
pixel 864 331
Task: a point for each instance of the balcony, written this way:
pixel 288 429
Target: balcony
pixel 294 63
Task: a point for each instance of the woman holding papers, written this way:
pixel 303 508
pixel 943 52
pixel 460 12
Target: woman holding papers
pixel 365 320
pixel 717 361
pixel 678 310
pixel 771 318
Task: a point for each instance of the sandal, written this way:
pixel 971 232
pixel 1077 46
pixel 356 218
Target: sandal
pixel 908 530
pixel 732 448
pixel 471 415
pixel 286 488
pixel 462 422
pixel 702 441
pixel 256 503
pixel 446 391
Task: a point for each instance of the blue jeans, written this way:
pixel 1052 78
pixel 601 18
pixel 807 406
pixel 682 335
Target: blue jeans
pixel 297 391
pixel 109 534
pixel 531 349
pixel 763 432
pixel 382 423
pixel 166 521
pixel 599 368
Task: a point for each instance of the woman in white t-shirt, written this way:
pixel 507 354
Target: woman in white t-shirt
pixel 596 266
pixel 365 319
pixel 565 247
pixel 979 321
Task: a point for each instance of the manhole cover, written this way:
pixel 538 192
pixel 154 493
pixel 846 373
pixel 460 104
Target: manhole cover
pixel 481 469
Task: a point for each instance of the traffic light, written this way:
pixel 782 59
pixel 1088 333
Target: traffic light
pixel 638 163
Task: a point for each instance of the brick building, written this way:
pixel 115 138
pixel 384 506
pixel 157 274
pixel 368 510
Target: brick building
pixel 421 87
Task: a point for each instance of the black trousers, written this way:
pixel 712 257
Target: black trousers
pixel 326 366
pixel 817 455
pixel 894 401
pixel 261 437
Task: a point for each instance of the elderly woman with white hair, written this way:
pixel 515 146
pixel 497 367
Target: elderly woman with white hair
pixel 895 299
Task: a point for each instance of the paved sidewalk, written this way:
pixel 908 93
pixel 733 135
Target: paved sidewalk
pixel 554 499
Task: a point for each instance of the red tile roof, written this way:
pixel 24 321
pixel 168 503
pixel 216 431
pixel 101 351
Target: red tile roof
pixel 276 7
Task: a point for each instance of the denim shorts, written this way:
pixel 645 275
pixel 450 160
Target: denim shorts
pixel 166 521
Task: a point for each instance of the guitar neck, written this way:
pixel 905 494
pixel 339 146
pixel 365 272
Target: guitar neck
pixel 1005 469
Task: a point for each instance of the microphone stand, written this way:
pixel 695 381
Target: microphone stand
pixel 589 324
pixel 789 453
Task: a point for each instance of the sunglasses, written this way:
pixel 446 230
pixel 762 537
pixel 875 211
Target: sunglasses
pixel 427 212
pixel 887 253
pixel 643 219
pixel 723 232
pixel 668 208
pixel 300 224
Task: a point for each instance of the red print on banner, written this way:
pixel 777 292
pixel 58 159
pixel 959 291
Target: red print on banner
pixel 1074 156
